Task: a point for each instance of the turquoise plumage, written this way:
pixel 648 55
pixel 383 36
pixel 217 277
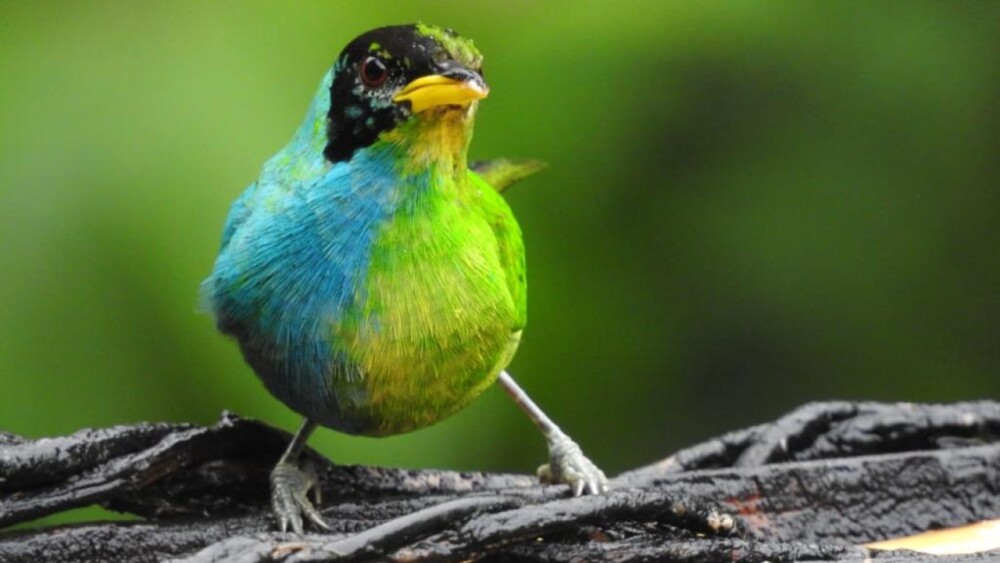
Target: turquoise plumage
pixel 304 215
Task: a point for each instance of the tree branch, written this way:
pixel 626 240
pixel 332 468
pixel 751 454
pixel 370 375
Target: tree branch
pixel 815 484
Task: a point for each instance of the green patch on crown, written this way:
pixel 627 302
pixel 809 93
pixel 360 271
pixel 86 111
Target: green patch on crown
pixel 376 49
pixel 461 49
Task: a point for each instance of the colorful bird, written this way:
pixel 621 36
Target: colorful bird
pixel 375 283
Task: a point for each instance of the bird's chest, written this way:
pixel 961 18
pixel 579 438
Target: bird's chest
pixel 432 319
pixel 434 285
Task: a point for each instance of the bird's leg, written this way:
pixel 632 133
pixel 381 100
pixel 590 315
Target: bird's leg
pixel 290 484
pixel 567 464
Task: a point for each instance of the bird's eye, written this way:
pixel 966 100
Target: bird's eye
pixel 373 72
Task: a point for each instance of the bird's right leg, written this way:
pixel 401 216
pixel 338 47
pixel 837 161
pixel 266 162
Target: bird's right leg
pixel 290 484
pixel 567 463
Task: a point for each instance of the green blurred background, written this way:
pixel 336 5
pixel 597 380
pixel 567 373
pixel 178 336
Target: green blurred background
pixel 749 206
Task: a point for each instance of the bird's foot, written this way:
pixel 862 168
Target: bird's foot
pixel 289 487
pixel 568 465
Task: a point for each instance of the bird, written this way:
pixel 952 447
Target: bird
pixel 373 278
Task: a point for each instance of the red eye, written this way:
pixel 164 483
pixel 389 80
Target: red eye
pixel 373 72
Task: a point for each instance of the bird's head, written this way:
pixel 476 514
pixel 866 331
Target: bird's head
pixel 395 75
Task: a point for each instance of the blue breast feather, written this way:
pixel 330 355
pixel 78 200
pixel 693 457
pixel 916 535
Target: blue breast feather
pixel 294 256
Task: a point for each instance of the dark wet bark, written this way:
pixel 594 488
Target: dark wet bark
pixel 812 485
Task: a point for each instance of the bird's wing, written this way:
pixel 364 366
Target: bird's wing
pixel 510 247
pixel 238 213
pixel 501 173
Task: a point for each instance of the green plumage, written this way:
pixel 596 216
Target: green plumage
pixel 445 297
pixel 375 282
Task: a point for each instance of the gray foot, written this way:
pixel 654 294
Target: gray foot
pixel 567 464
pixel 289 487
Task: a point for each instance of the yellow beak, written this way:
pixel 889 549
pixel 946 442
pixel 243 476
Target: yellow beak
pixel 436 90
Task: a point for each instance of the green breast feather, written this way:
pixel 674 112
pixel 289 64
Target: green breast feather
pixel 443 305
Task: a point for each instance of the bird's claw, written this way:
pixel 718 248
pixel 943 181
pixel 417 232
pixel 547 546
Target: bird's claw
pixel 289 487
pixel 568 465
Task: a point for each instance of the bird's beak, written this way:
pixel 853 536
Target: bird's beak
pixel 454 87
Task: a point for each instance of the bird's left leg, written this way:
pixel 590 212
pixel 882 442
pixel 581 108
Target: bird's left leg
pixel 567 464
pixel 290 484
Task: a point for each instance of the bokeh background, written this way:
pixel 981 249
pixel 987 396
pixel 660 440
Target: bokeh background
pixel 749 206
